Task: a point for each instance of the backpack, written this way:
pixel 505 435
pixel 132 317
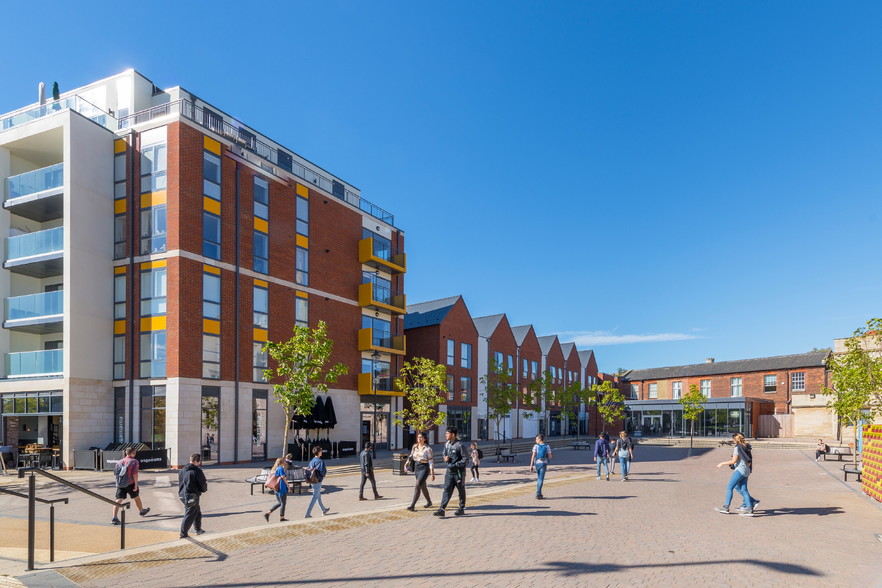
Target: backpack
pixel 541 451
pixel 480 454
pixel 124 472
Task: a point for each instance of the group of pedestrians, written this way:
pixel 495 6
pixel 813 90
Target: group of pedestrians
pixel 605 451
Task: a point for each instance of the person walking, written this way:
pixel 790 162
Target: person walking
pixel 539 458
pixel 820 450
pixel 456 461
pixel 423 467
pixel 281 491
pixel 317 466
pixel 601 454
pixel 125 475
pixel 476 455
pixel 625 453
pixel 741 464
pixel 366 460
pixel 191 486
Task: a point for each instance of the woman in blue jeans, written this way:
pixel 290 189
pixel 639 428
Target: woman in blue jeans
pixel 741 463
pixel 318 466
pixel 539 458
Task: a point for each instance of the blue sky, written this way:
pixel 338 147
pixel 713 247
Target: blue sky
pixel 659 181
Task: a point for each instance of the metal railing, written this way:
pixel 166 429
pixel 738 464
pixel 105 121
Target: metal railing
pixel 51 504
pixel 250 141
pixel 75 103
pixel 32 509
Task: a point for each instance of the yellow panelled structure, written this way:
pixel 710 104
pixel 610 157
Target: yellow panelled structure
pixel 153 264
pixel 260 335
pixel 211 326
pixel 120 269
pixel 119 206
pixel 119 327
pixel 302 294
pixel 153 199
pixel 211 269
pixel 302 241
pixel 365 387
pixel 119 146
pixel 366 343
pixel 211 145
pixel 261 225
pixel 153 323
pixel 261 283
pixel 211 205
pixel 396 304
pixel 302 191
pixel 397 263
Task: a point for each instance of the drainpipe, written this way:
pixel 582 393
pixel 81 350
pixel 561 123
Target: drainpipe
pixel 131 284
pixel 518 395
pixel 236 336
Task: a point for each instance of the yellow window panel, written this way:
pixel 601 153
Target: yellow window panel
pixel 153 199
pixel 211 205
pixel 120 269
pixel 119 146
pixel 211 269
pixel 119 206
pixel 302 191
pixel 119 327
pixel 260 335
pixel 302 294
pixel 154 264
pixel 261 225
pixel 302 242
pixel 153 323
pixel 211 145
pixel 211 326
pixel 261 283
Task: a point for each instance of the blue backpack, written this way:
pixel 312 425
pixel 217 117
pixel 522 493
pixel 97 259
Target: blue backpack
pixel 541 451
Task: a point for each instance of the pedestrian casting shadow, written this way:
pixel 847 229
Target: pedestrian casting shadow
pixel 208 515
pixel 819 512
pixel 507 511
pixel 591 498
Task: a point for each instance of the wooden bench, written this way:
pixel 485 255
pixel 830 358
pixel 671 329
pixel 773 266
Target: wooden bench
pixel 581 445
pixel 506 455
pixel 839 452
pixel 853 469
pixel 295 478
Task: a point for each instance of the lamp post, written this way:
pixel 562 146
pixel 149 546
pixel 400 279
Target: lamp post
pixel 375 381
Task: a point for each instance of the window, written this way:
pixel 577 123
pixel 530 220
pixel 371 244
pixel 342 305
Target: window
pixel 534 369
pixel 301 274
pixel 301 311
pixel 381 374
pixel 451 352
pixel 211 175
pixel 153 292
pixel 653 390
pixel 735 387
pixel 302 216
pixel 153 354
pixel 211 235
pixel 511 366
pixel 677 390
pixel 451 387
pixel 119 176
pixel 119 296
pixel 465 358
pixel 465 389
pixel 211 354
pixel 211 295
pixel 797 381
pixel 526 370
pixel 119 236
pixel 261 252
pixel 153 416
pixel 153 229
pixel 261 198
pixel 381 331
pixel 382 245
pixel 261 307
pixel 705 387
pixel 119 357
pixel 770 384
pixel 259 361
pixel 497 358
pixel 153 166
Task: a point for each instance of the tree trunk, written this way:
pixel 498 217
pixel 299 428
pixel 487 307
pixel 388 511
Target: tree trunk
pixel 285 435
pixel 691 433
pixel 855 448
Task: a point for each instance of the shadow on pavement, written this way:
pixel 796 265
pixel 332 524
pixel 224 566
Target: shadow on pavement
pixel 820 512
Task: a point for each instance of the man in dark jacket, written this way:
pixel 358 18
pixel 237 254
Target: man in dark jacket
pixel 191 486
pixel 601 454
pixel 456 460
pixel 366 461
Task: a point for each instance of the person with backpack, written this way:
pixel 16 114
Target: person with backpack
pixel 455 459
pixel 279 487
pixel 477 455
pixel 601 454
pixel 742 465
pixel 539 458
pixel 625 453
pixel 126 476
pixel 316 470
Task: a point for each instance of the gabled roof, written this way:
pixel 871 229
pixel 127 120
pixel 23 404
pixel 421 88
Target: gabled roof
pixel 486 325
pixel 424 314
pixel 567 348
pixel 546 343
pixel 586 356
pixel 759 364
pixel 520 333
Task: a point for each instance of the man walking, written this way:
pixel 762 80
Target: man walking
pixel 126 476
pixel 456 460
pixel 601 454
pixel 191 485
pixel 366 461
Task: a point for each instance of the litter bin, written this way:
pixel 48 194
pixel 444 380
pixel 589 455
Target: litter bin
pixel 398 460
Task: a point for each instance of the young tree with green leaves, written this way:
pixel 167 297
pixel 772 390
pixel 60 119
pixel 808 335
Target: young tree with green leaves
pixel 693 405
pixel 301 368
pixel 542 393
pixel 570 401
pixel 609 400
pixel 856 378
pixel 500 393
pixel 424 384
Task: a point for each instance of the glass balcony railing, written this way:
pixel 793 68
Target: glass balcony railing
pixel 39 243
pixel 76 103
pixel 33 363
pixel 34 306
pixel 35 181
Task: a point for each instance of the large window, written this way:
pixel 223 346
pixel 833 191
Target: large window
pixel 211 175
pixel 735 387
pixel 153 354
pixel 211 235
pixel 153 292
pixel 119 193
pixel 451 387
pixel 451 352
pixel 534 369
pixel 301 311
pixel 381 330
pixel 770 383
pixel 465 389
pixel 465 359
pixel 301 261
pixel 677 390
pixel 119 357
pixel 635 391
pixel 261 307
pixel 653 390
pixel 797 381
pixel 261 198
pixel 705 388
pixel 119 236
pixel 211 295
pixel 461 418
pixel 526 368
pixel 381 374
pixel 153 167
pixel 302 216
pixel 153 229
pixel 211 356
pixel 258 361
pixel 119 296
pixel 153 416
pixel 261 252
pixel 498 358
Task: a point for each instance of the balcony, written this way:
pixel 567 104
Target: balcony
pixel 381 341
pixel 29 364
pixel 39 255
pixel 385 386
pixel 37 195
pixel 75 103
pixel 381 298
pixel 381 256
pixel 35 313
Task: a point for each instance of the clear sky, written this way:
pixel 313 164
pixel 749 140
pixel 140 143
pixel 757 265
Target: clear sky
pixel 659 181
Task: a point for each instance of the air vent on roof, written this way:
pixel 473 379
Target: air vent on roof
pixel 709 360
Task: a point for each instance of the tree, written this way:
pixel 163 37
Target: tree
pixel 856 378
pixel 424 384
pixel 301 367
pixel 570 401
pixel 499 394
pixel 693 406
pixel 609 400
pixel 541 395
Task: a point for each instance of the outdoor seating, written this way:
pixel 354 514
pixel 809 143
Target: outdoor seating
pixel 581 445
pixel 506 455
pixel 295 478
pixel 853 469
pixel 838 452
pixel 259 480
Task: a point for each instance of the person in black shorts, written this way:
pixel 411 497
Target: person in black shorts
pixel 126 475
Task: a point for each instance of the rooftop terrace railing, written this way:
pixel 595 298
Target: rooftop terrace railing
pixel 76 103
pixel 249 140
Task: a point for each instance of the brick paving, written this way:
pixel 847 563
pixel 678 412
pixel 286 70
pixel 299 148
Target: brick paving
pixel 659 528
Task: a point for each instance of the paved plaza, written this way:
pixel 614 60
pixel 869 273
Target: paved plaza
pixel 659 528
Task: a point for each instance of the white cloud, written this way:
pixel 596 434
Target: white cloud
pixel 600 338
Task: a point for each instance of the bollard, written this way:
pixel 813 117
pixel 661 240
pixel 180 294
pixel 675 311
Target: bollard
pixel 32 513
pixel 52 532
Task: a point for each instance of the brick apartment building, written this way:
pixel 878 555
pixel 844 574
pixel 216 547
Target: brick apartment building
pixel 194 240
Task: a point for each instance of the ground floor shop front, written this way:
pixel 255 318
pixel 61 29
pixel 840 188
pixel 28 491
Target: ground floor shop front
pixel 721 417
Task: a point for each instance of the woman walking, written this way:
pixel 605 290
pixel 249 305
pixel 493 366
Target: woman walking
pixel 281 491
pixel 539 458
pixel 422 458
pixel 475 454
pixel 317 466
pixel 625 453
pixel 741 464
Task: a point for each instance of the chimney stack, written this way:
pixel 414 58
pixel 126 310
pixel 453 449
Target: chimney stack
pixel 709 360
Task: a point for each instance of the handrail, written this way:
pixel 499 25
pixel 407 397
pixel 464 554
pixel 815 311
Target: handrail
pixel 32 511
pixel 40 500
